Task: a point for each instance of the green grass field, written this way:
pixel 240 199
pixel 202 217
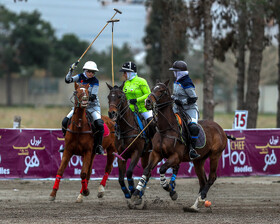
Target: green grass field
pixel 51 117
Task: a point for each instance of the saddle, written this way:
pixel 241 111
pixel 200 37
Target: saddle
pixel 91 124
pixel 183 122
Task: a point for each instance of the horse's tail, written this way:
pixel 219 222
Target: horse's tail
pixel 231 137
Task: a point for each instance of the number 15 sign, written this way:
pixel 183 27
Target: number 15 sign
pixel 240 119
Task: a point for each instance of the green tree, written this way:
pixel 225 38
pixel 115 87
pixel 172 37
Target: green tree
pixel 65 52
pixel 165 39
pixel 26 41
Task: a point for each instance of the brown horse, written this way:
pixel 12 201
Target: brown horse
pixel 79 141
pixel 167 144
pixel 126 131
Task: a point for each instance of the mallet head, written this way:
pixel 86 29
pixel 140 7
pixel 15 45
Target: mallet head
pixel 117 10
pixel 113 21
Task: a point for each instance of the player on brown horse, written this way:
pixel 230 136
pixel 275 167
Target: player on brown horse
pixel 169 143
pixel 79 141
pixel 127 129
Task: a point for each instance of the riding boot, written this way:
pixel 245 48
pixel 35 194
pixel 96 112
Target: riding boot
pixel 192 153
pixel 98 137
pixel 194 132
pixel 64 128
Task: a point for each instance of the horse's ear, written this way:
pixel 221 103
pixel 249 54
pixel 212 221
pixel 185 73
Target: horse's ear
pixel 110 87
pixel 157 81
pixel 121 87
pixel 166 83
pixel 87 85
pixel 76 85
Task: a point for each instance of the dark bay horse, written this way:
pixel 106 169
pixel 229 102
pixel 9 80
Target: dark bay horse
pixel 79 141
pixel 167 144
pixel 126 131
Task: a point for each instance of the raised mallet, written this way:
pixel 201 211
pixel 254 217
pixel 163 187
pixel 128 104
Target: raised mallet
pixel 116 11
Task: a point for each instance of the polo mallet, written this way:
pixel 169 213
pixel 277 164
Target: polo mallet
pixel 117 11
pixel 112 54
pixel 120 156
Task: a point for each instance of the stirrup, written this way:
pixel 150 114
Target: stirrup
pixel 99 150
pixel 193 154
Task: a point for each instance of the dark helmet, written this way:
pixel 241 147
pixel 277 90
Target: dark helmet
pixel 128 67
pixel 179 66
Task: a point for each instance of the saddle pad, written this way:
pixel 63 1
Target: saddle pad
pixel 201 141
pixel 106 130
pixel 140 124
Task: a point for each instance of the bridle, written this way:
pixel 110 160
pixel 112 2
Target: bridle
pixel 120 115
pixel 79 102
pixel 157 106
pixel 120 112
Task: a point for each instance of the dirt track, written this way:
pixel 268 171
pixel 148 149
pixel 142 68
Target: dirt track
pixel 234 200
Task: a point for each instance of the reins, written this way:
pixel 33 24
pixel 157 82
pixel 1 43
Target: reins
pixel 77 103
pixel 157 110
pixel 120 116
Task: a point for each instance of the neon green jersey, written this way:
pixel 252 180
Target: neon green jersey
pixel 137 88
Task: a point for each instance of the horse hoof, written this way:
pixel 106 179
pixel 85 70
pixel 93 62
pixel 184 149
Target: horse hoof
pixel 136 200
pixel 51 198
pixel 173 195
pixel 100 194
pixel 190 209
pixel 201 202
pixel 142 204
pixel 100 191
pixel 85 192
pixel 79 198
pixel 130 204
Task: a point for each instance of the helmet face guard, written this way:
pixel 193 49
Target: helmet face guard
pixel 179 66
pixel 128 67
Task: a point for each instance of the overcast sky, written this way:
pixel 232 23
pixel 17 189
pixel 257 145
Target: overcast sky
pixel 86 18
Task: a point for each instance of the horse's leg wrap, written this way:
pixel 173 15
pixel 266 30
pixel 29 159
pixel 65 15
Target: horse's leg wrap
pixel 142 183
pixel 56 183
pixel 140 189
pixel 172 182
pixel 104 179
pixel 124 189
pixel 131 185
pixel 163 183
pixel 84 185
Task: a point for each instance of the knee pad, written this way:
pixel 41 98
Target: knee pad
pixel 65 122
pixel 194 130
pixel 99 125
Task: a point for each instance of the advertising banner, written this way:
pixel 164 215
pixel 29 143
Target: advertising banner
pixel 33 153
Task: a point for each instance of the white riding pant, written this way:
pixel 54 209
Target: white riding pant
pixel 147 114
pixel 95 113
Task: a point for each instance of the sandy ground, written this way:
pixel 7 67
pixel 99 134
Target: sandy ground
pixel 234 200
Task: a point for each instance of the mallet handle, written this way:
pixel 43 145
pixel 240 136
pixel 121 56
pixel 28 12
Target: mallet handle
pixel 117 11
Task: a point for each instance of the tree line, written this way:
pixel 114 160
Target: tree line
pixel 237 26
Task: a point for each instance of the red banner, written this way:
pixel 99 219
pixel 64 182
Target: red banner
pixel 33 153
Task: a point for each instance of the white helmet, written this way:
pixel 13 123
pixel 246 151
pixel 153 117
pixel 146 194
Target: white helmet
pixel 90 65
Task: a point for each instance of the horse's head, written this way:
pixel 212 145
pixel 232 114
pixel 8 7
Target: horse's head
pixel 81 95
pixel 117 101
pixel 159 94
